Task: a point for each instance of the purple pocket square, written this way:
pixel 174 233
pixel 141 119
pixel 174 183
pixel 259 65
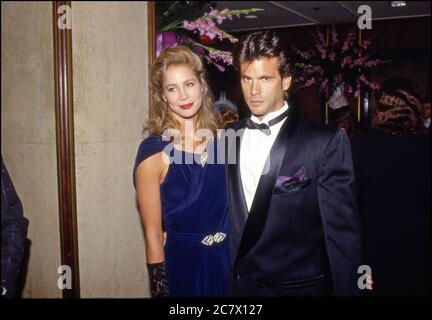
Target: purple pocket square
pixel 299 176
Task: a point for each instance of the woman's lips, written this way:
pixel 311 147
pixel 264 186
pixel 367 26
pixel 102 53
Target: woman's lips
pixel 186 106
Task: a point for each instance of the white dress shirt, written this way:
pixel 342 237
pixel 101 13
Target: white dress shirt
pixel 254 150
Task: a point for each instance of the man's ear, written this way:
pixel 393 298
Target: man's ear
pixel 286 82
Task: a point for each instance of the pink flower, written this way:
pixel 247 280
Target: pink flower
pixel 210 61
pixel 221 55
pixel 336 62
pixel 320 48
pixel 334 35
pixel 372 63
pixel 324 85
pixel 375 86
pixel 221 69
pixel 362 78
pixel 365 44
pixel 359 61
pixel 321 37
pixel 213 12
pixel 208 28
pixel 357 92
pixel 348 41
pixel 346 60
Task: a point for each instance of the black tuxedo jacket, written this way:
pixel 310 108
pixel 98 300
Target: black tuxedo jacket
pixel 301 238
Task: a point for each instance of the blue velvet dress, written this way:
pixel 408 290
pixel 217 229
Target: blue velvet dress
pixel 195 217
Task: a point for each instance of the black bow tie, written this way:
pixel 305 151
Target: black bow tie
pixel 264 127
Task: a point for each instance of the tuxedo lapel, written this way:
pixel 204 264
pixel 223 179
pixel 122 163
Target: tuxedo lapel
pixel 238 207
pixel 259 209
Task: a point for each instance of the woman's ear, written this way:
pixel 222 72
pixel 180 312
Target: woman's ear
pixel 164 99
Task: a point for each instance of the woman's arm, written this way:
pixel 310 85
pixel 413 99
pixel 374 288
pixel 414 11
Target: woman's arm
pixel 148 177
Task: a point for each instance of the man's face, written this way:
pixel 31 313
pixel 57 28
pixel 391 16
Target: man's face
pixel 262 85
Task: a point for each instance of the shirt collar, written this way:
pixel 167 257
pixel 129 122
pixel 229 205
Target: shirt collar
pixel 271 115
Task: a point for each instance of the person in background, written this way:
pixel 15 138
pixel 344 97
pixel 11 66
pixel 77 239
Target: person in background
pixel 344 119
pixel 426 114
pixel 341 114
pixel 14 227
pixel 226 110
pixel 393 177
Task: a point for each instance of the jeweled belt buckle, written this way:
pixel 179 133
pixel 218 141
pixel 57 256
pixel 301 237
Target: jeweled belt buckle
pixel 213 238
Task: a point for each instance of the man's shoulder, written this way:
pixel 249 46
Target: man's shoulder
pixel 316 130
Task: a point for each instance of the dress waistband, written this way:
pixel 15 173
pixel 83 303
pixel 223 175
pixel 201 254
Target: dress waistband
pixel 205 239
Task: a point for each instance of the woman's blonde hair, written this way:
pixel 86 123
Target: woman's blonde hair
pixel 160 114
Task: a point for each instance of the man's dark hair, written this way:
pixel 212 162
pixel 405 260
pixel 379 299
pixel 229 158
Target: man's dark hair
pixel 344 117
pixel 262 44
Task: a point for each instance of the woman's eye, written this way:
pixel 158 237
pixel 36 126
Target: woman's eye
pixel 171 89
pixel 190 84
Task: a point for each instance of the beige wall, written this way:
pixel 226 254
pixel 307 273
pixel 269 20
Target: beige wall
pixel 28 134
pixel 110 70
pixel 110 97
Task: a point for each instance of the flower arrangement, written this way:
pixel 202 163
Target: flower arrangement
pixel 177 24
pixel 332 64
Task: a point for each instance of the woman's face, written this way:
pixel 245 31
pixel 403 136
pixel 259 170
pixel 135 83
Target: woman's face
pixel 183 91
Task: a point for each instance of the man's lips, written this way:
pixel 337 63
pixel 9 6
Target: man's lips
pixel 186 106
pixel 255 102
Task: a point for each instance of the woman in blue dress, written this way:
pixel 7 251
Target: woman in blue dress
pixel 180 186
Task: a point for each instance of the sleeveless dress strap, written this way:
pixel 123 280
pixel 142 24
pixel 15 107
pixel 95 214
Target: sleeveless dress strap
pixel 148 147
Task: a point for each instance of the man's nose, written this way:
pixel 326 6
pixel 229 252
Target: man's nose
pixel 255 88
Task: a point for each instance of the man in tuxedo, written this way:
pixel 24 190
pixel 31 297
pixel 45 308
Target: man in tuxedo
pixel 294 225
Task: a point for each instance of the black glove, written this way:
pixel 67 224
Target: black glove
pixel 158 280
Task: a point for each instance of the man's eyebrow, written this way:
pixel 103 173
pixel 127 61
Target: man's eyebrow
pixel 260 77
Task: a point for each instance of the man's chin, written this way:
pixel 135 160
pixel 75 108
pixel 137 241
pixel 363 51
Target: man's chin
pixel 255 110
pixel 257 113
